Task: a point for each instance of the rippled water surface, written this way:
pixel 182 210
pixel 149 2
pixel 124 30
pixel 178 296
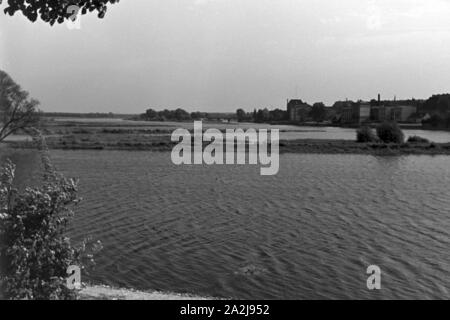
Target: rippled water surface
pixel 309 232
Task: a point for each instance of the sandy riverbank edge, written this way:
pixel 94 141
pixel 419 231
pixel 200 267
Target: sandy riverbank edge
pixel 102 292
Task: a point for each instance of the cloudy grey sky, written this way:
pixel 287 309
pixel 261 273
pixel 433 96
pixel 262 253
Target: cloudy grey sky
pixel 219 55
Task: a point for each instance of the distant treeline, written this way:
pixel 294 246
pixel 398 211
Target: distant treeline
pixel 262 115
pixel 438 108
pixel 182 115
pixel 86 115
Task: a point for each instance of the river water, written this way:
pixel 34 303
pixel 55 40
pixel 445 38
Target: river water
pixel 309 232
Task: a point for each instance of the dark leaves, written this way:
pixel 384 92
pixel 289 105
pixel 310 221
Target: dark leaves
pixel 55 11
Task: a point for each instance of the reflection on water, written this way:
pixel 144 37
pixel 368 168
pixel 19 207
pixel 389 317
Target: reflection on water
pixel 309 232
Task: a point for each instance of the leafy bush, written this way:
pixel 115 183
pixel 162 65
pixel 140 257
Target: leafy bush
pixel 417 139
pixel 434 121
pixel 365 134
pixel 390 132
pixel 34 251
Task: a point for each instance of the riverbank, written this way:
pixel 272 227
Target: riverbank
pixel 101 292
pixel 306 146
pixel 352 147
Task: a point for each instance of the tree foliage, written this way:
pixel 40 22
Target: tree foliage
pixel 52 11
pixel 366 134
pixel 17 110
pixel 242 115
pixel 166 115
pixel 438 121
pixel 390 132
pixel 417 139
pixel 318 112
pixel 34 250
pixel 437 104
pixel 262 115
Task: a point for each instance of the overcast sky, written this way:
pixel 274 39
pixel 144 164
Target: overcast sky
pixel 220 55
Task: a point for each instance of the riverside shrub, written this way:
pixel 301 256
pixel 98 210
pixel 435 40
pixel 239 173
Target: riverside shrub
pixel 365 134
pixel 390 132
pixel 34 251
pixel 417 139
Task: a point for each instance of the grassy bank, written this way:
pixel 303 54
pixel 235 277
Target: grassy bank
pixel 139 142
pixel 352 147
pixel 137 136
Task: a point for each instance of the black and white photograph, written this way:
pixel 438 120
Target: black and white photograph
pixel 224 153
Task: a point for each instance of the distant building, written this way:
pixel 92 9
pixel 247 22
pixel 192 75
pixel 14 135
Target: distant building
pixel 349 112
pixel 399 113
pixel 402 113
pixel 393 110
pixel 356 113
pixel 298 111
